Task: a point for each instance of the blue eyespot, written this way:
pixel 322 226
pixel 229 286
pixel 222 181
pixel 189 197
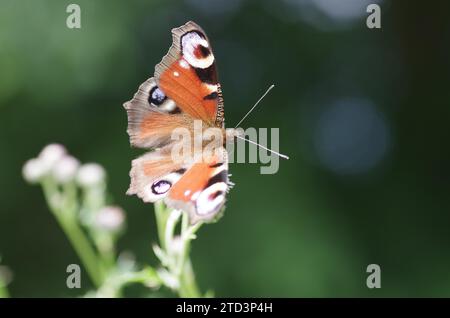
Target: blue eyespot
pixel 157 97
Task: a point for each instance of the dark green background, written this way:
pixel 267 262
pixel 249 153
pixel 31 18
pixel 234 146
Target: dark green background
pixel 306 231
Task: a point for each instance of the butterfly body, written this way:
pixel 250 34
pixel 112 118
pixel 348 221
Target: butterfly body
pixel 183 94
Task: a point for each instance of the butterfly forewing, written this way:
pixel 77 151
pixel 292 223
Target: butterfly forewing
pixel 188 75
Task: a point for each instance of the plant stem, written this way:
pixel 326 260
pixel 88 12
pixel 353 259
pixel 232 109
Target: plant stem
pixel 67 220
pixel 84 250
pixel 188 284
pixel 180 265
pixel 162 214
pixel 3 290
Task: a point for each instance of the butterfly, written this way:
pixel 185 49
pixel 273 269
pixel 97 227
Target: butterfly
pixel 184 89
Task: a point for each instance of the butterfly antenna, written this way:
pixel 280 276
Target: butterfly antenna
pixel 254 106
pixel 265 148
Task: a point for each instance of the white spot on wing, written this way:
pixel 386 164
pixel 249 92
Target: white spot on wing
pixel 195 195
pixel 211 87
pixel 176 74
pixel 184 64
pixel 168 106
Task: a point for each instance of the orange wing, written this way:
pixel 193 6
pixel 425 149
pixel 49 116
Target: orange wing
pixel 202 189
pixel 154 174
pixel 152 117
pixel 187 74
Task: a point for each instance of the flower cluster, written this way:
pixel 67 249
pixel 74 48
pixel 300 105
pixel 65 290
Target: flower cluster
pixel 77 196
pixel 61 173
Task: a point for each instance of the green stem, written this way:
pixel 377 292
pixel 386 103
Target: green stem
pixel 84 250
pixel 145 276
pixel 3 290
pixel 188 284
pixel 162 215
pixel 180 265
pixel 114 284
pixel 67 220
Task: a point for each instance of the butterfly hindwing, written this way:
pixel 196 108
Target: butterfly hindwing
pixel 199 188
pixel 154 174
pixel 201 191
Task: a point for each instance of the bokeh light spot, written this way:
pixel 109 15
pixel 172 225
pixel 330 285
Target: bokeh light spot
pixel 351 136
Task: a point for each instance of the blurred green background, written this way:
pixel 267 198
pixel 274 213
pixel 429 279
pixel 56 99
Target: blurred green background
pixel 363 115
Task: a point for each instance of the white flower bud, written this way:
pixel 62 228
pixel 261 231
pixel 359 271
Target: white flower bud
pixel 51 154
pixel 90 174
pixel 33 170
pixel 110 218
pixel 65 169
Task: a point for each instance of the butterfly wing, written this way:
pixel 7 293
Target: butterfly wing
pixel 201 191
pixel 152 117
pixel 198 188
pixel 185 87
pixel 154 174
pixel 187 74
